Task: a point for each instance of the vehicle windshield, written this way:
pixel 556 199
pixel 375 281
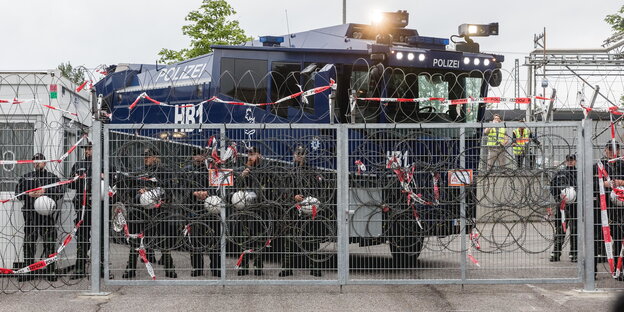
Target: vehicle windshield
pixel 412 83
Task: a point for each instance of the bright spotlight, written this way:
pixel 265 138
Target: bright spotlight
pixel 377 17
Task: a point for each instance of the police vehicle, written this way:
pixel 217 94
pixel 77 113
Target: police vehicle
pixel 367 66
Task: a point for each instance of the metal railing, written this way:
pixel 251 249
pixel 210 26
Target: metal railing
pixel 343 204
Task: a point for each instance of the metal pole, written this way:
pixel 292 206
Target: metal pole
pixel 462 205
pixel 96 207
pixel 344 11
pixel 332 104
pixel 106 203
pixel 517 80
pixel 352 105
pixel 529 111
pixel 222 242
pixel 587 235
pixel 342 169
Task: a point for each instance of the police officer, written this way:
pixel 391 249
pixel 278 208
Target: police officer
pixel 496 142
pixel 615 212
pixel 562 181
pixel 39 225
pixel 521 139
pixel 250 179
pixel 307 185
pixel 157 186
pixel 82 167
pixel 206 228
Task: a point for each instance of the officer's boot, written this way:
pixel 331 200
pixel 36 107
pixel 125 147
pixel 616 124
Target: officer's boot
pixel 573 248
pixel 168 263
pixel 197 263
pixel 258 262
pixel 244 267
pixel 131 267
pixel 80 270
pixel 215 264
pixel 555 256
pixel 51 273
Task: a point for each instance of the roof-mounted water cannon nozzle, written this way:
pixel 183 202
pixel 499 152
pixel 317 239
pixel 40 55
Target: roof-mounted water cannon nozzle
pixel 387 20
pixel 474 30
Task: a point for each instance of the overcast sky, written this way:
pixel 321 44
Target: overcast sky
pixel 40 34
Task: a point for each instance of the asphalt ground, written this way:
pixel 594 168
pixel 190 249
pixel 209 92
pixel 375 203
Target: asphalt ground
pixel 507 298
pixel 372 262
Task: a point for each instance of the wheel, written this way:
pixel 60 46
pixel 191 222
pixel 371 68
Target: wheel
pixel 405 251
pixel 406 239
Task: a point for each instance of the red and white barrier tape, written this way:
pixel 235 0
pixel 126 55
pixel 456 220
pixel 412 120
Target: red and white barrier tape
pixel 17 101
pixel 618 269
pixel 55 256
pixel 60 109
pixel 487 100
pixel 240 258
pixel 474 242
pixel 436 188
pixel 302 94
pixel 18 162
pixel 360 167
pixel 562 208
pixel 41 188
pixel 148 264
pixel 119 218
pixel 186 232
pixel 606 231
pixel 88 84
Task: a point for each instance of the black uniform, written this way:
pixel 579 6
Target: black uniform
pixel 162 236
pixel 615 213
pixel 254 181
pixel 205 227
pixel 561 180
pixel 304 235
pixel 36 225
pixel 84 232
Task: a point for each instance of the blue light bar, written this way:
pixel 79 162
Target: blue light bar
pixel 416 40
pixel 271 39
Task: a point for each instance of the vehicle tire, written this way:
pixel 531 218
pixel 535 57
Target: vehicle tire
pixel 405 238
pixel 405 251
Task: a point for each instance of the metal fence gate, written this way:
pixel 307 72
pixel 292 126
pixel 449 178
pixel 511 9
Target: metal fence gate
pixel 346 204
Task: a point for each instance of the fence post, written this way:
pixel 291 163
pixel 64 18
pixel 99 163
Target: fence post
pixel 96 215
pixel 222 241
pixel 342 169
pixel 587 235
pixel 462 205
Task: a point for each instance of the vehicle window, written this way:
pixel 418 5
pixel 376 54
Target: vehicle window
pixel 473 89
pixel 284 80
pixel 244 79
pixel 433 86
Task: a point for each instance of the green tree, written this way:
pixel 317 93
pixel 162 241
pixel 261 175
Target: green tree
pixel 616 20
pixel 209 26
pixel 74 74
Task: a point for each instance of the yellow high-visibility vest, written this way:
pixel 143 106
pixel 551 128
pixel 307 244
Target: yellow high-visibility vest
pixel 496 136
pixel 521 140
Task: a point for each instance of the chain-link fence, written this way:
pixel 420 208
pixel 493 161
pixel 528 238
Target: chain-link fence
pixel 341 204
pixel 44 164
pixel 251 199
